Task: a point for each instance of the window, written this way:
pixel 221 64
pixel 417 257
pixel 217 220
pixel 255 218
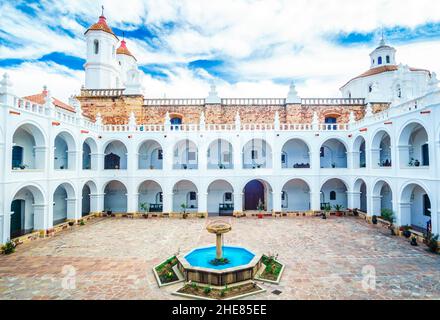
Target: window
pixel 388 59
pixel 112 161
pixel 160 154
pixel 226 157
pixel 17 156
pixel 283 158
pixel 425 155
pixel 254 154
pixel 175 121
pixel 370 88
pixel 399 91
pixel 332 195
pixel 192 196
pixel 191 156
pixel 426 205
pixel 228 197
pixel 321 152
pixel 159 198
pixel 96 46
pixel 379 60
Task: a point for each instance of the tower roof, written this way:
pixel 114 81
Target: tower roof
pixel 124 50
pixel 101 25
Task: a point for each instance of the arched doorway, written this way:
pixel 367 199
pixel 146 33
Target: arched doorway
pixel 257 192
pixel 220 198
pixel 28 148
pixel 150 197
pixel 295 196
pixel 115 197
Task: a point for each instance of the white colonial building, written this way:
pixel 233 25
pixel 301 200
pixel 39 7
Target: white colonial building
pixel 60 166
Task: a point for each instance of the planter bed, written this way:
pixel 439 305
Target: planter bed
pixel 266 275
pixel 194 291
pixel 167 273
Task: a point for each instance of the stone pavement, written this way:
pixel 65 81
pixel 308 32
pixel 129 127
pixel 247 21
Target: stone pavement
pixel 325 259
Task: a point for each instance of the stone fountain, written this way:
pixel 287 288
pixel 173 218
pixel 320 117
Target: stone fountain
pixel 219 228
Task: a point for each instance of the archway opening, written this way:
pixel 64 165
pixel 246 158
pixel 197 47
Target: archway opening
pixel 25 211
pixel 257 196
pixel 63 203
pixel 360 159
pixel 115 156
pixel 413 146
pixel 64 153
pixel 115 197
pixel 382 199
pixel 333 154
pixel 150 155
pixel 185 197
pixel 28 148
pixel 415 208
pixel 89 150
pixel 220 155
pixel 295 154
pixel 257 153
pixel 295 196
pixel 334 194
pixel 150 197
pixel 381 150
pixel 185 155
pixel 360 197
pixel 220 198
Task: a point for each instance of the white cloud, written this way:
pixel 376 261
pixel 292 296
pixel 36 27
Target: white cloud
pixel 259 40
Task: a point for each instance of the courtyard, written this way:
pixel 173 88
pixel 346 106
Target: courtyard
pixel 112 258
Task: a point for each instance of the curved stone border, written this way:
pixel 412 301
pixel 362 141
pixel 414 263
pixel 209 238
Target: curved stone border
pixel 176 271
pixel 277 281
pixel 194 297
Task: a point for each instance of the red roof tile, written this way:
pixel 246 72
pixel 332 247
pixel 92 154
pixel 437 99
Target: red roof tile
pixel 40 98
pixel 124 50
pixel 101 25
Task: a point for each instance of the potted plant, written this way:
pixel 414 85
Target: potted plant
pixel 333 165
pixel 406 232
pixel 414 241
pixel 184 207
pixel 9 247
pixel 417 163
pixel 151 167
pixel 432 242
pixel 387 215
pixel 145 207
pixel 338 208
pixel 374 219
pixel 411 163
pixel 327 209
pixel 260 208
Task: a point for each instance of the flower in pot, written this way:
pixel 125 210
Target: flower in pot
pixel 333 165
pixel 374 219
pixel 151 167
pixel 145 207
pixel 338 208
pixel 387 215
pixel 260 208
pixel 414 241
pixel 406 232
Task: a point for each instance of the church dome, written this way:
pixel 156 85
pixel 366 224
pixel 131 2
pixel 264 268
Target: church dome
pixel 101 25
pixel 124 50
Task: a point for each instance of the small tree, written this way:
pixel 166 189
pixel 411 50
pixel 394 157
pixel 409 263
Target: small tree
pixel 260 206
pixel 184 208
pixel 145 206
pixel 387 214
pixel 432 242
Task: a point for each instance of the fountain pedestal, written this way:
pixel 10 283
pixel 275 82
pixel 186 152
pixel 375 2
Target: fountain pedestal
pixel 219 228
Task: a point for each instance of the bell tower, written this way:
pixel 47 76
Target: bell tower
pixel 383 55
pixel 101 65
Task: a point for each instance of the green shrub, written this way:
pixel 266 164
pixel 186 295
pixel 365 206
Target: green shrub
pixel 82 223
pixel 432 242
pixel 9 247
pixel 207 290
pixel 387 214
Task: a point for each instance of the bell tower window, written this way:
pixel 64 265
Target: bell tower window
pixel 388 59
pixel 379 60
pixel 96 46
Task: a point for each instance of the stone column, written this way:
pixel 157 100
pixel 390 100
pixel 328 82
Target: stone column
pixel 5 226
pixel 72 160
pixel 40 158
pixel 41 217
pixel 403 155
pixel 353 200
pixel 73 213
pixel 97 161
pixel 276 197
pixel 132 202
pixel 374 158
pixel 238 203
pixel 168 202
pixel 315 160
pixel 375 205
pixel 353 160
pixel 96 202
pixel 315 200
pixel 202 203
pixel 404 214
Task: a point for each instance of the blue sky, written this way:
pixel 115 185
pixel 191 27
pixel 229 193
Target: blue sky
pixel 248 48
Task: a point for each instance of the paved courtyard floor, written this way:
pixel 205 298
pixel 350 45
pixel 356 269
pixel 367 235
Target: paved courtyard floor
pixel 325 259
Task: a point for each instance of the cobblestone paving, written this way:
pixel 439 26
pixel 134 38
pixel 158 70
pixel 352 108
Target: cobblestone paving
pixel 113 259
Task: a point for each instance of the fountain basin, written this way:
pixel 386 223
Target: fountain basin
pixel 242 266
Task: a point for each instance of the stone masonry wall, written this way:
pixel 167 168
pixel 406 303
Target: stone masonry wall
pixel 116 110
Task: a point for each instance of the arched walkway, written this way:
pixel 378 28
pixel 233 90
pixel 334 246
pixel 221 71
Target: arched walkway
pixel 185 155
pixel 150 155
pixel 26 211
pixel 89 151
pixel 333 154
pixel 150 197
pixel 295 154
pixel 413 146
pixel 220 155
pixel 359 154
pixel 382 198
pixel 381 150
pixel 115 197
pixel 415 207
pixel 257 195
pixel 63 203
pixel 29 148
pixel 64 153
pixel 185 196
pixel 295 196
pixel 257 153
pixel 88 203
pixel 115 156
pixel 220 198
pixel 360 196
pixel 334 193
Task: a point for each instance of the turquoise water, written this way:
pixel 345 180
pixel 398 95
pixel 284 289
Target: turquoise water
pixel 236 257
